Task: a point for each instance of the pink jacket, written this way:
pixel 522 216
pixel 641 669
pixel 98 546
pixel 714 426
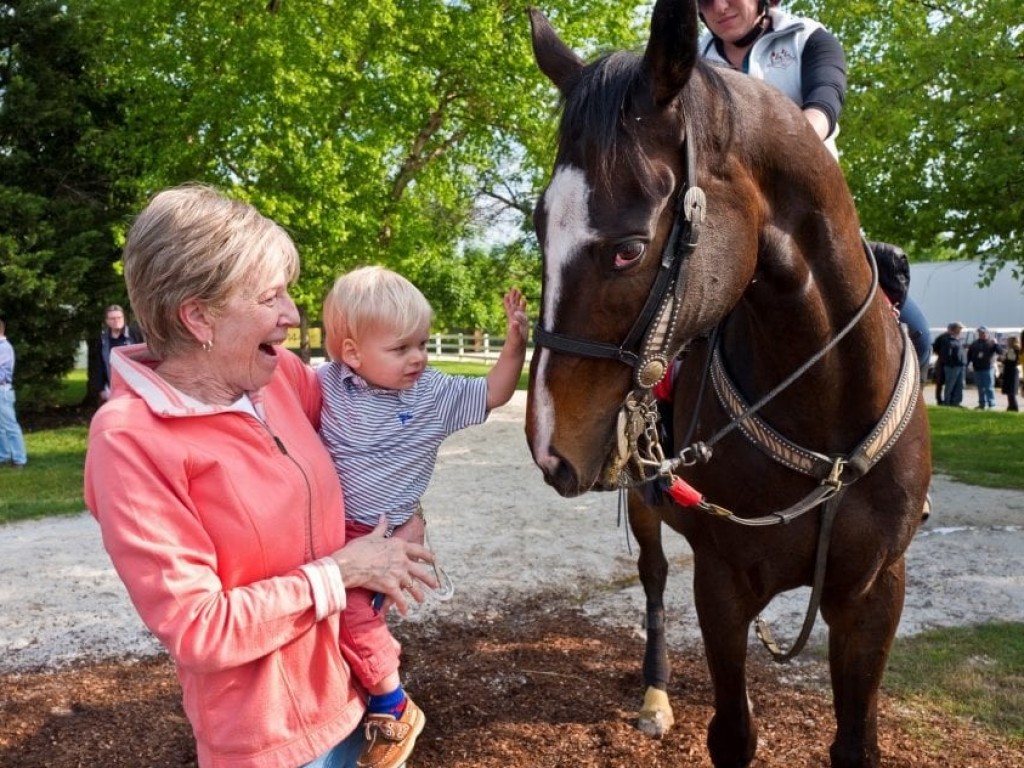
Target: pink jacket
pixel 215 522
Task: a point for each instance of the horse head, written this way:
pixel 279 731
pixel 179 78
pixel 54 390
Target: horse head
pixel 605 222
pixel 667 163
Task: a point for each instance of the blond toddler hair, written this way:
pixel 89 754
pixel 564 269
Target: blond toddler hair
pixel 371 298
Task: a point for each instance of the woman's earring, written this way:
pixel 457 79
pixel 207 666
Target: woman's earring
pixel 208 345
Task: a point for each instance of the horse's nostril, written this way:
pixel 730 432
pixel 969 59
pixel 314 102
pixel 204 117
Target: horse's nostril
pixel 560 474
pixel 549 463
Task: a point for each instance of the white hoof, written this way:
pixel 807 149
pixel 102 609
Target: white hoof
pixel 655 718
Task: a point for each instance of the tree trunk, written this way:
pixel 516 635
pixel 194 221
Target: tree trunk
pixel 94 381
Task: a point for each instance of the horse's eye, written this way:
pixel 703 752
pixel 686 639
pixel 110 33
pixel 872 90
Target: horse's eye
pixel 628 254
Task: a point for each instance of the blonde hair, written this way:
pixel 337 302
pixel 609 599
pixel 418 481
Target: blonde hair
pixel 371 298
pixel 193 243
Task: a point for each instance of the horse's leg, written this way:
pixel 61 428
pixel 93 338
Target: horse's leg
pixel 656 712
pixel 861 632
pixel 725 610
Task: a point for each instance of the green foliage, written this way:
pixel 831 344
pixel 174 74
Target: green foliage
pixel 932 142
pixel 970 672
pixel 418 134
pixel 375 133
pixel 56 199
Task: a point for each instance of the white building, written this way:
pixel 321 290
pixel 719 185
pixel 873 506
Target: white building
pixel 948 291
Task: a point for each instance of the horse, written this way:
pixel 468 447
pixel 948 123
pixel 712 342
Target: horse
pixel 695 225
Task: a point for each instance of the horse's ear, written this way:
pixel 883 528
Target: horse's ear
pixel 672 48
pixel 555 59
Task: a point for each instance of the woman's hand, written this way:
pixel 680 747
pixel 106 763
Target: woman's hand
pixel 395 567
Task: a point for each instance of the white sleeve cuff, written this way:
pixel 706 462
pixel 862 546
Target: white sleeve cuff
pixel 327 586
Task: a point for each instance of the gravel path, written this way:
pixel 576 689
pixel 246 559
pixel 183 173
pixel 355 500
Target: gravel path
pixel 501 532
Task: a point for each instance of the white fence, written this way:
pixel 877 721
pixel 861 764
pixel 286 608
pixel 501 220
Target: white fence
pixel 481 347
pixel 459 347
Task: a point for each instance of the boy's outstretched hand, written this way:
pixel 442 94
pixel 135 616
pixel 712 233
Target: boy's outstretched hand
pixel 515 313
pixel 504 375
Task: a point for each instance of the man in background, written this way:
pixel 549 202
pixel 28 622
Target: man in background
pixel 116 334
pixel 12 442
pixel 950 355
pixel 980 355
pixel 938 373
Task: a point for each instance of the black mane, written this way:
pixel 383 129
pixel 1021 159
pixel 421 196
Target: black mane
pixel 594 113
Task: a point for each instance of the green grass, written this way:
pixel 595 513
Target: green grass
pixel 970 672
pixel 51 483
pixel 475 369
pixel 983 448
pixel 74 388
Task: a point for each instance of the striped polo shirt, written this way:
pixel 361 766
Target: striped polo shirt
pixel 384 442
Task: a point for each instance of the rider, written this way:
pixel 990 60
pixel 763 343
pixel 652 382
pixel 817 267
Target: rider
pixel 806 62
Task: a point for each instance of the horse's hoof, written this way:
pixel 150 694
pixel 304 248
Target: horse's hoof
pixel 654 724
pixel 655 718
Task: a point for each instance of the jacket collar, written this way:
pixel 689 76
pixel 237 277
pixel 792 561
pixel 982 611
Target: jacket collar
pixel 133 368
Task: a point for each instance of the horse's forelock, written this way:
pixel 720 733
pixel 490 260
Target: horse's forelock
pixel 594 117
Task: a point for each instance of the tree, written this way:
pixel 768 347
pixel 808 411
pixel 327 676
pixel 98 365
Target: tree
pixel 932 142
pixel 57 200
pixel 374 132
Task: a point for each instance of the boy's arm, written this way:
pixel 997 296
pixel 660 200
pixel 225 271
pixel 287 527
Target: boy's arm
pixel 504 376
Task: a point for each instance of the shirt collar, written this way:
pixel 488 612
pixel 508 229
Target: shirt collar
pixel 354 381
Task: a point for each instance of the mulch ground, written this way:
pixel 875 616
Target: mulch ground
pixel 535 686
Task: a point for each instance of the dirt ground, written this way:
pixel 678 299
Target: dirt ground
pixel 535 663
pixel 535 686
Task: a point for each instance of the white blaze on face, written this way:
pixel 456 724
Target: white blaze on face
pixel 568 232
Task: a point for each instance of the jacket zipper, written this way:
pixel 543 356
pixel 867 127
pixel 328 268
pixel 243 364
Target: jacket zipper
pixel 310 554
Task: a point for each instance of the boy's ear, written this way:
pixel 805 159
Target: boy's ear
pixel 350 354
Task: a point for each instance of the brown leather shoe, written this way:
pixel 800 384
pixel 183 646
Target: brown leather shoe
pixel 389 742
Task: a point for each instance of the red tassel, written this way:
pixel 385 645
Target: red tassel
pixel 663 389
pixel 684 494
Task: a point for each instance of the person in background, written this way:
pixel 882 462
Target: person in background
pixel 116 334
pixel 950 355
pixel 795 54
pixel 217 502
pixel 1011 372
pixel 980 354
pixel 938 345
pixel 806 62
pixel 385 415
pixel 12 441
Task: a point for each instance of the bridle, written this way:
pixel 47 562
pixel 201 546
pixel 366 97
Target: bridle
pixel 645 348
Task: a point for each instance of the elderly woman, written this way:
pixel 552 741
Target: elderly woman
pixel 218 504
